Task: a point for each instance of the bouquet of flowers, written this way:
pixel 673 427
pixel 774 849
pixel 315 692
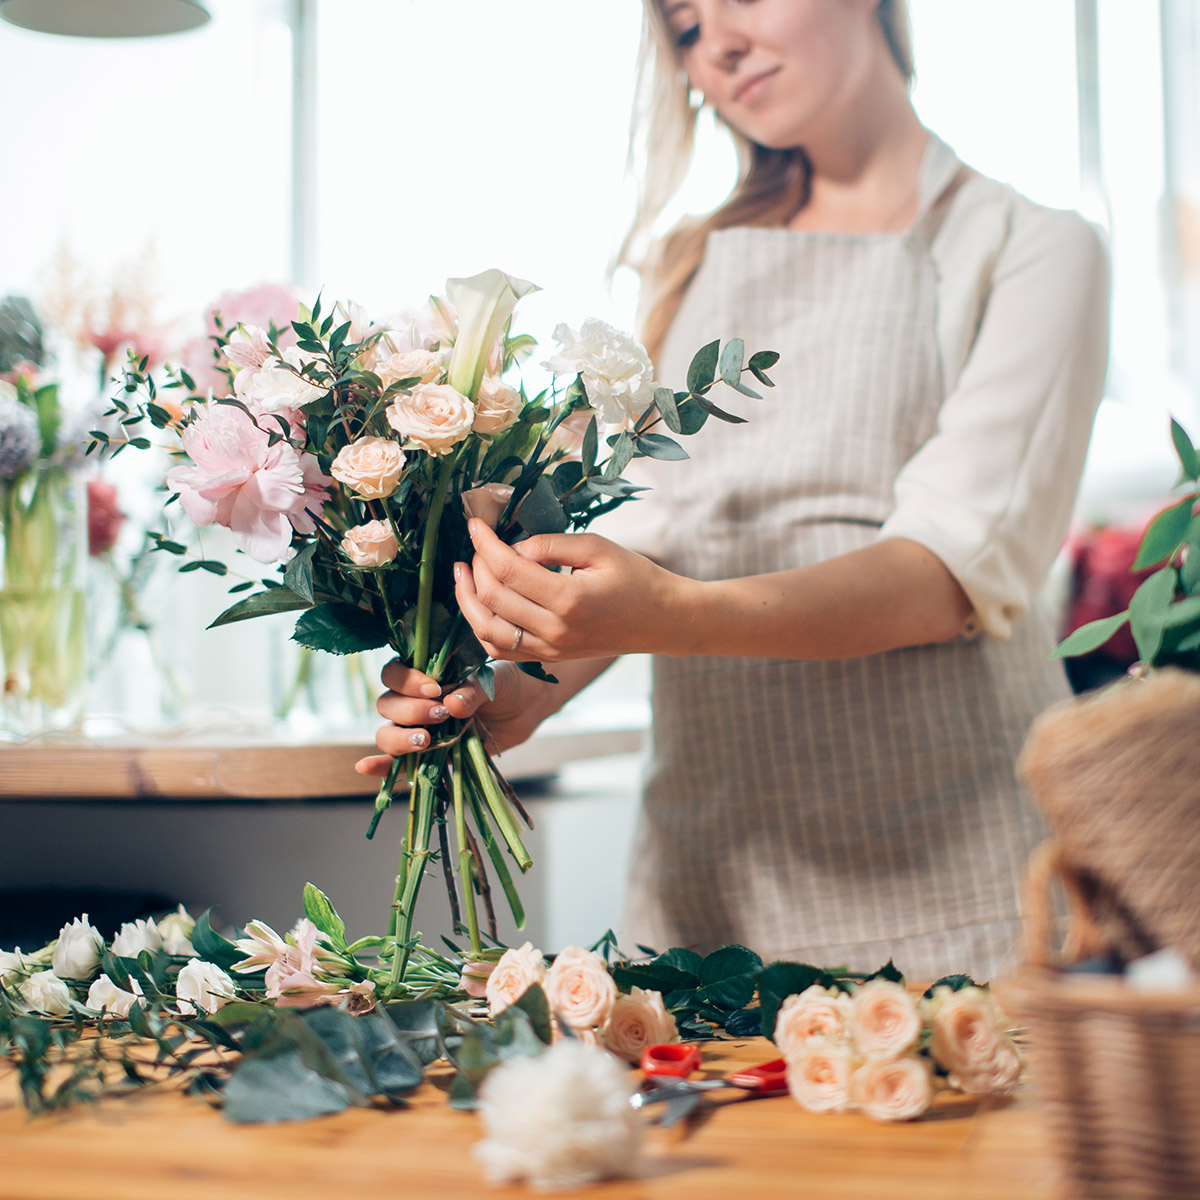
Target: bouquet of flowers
pixel 354 457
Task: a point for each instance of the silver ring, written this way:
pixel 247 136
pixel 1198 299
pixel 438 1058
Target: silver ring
pixel 517 639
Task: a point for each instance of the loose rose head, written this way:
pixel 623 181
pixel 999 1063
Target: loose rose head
pixel 616 370
pixel 104 516
pixel 497 406
pixel 13 966
pixel 203 987
pixel 818 1076
pixel 816 1014
pixel 175 929
pixel 487 502
pixel 516 972
pixel 638 1020
pixel 892 1089
pixel 370 467
pixel 77 952
pixel 579 988
pixel 970 1040
pixel 45 992
pixel 432 417
pixel 104 994
pixel 370 545
pixel 884 1019
pixel 135 936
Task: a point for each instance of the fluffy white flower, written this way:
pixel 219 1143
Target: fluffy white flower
pixel 77 952
pixel 616 369
pixel 135 936
pixel 45 992
pixel 116 1001
pixel 559 1120
pixel 203 986
pixel 275 385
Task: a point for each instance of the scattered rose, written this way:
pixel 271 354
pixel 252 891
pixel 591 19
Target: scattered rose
pixel 369 467
pixel 77 953
pixel 370 545
pixel 104 516
pixel 203 986
pixel 13 966
pixel 433 417
pixel 497 406
pixel 104 994
pixel 819 1076
pixel 175 929
pixel 516 972
pixel 638 1020
pixel 579 988
pixel 45 992
pixel 970 1040
pixel 892 1089
pixel 816 1013
pixel 487 502
pixel 884 1019
pixel 559 1120
pixel 135 936
pixel 616 370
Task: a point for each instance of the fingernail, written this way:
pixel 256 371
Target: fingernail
pixel 458 570
pixel 460 697
pixel 472 528
pixel 419 738
pixel 438 713
pixel 431 689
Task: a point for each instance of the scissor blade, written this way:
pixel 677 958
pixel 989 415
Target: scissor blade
pixel 679 1108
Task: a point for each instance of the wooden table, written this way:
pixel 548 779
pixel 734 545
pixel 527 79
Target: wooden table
pixel 166 1146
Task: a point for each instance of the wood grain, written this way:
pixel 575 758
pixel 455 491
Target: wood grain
pixel 166 1146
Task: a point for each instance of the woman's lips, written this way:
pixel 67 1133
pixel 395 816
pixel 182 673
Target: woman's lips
pixel 753 88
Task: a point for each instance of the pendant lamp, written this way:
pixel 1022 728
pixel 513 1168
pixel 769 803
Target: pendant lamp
pixel 105 18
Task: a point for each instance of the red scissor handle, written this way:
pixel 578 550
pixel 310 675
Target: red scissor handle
pixel 766 1077
pixel 675 1060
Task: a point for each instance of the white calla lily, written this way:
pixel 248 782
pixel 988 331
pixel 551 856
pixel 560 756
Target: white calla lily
pixel 483 303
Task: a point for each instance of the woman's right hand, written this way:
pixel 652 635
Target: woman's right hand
pixel 416 705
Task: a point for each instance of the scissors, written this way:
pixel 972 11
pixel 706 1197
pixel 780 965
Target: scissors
pixel 669 1066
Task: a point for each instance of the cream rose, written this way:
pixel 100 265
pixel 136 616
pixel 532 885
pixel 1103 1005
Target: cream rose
pixel 970 1040
pixel 487 502
pixel 46 992
pixel 516 972
pixel 638 1020
pixel 433 417
pixel 818 1076
pixel 135 936
pixel 370 467
pixel 616 370
pixel 77 952
pixel 892 1089
pixel 13 966
pixel 884 1019
pixel 580 989
pixel 114 1000
pixel 370 545
pixel 422 365
pixel 175 929
pixel 203 986
pixel 817 1013
pixel 497 406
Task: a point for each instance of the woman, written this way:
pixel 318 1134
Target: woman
pixel 842 597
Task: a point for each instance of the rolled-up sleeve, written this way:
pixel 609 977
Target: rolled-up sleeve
pixel 991 492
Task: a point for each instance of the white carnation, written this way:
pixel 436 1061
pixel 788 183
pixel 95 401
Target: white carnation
pixel 77 952
pixel 559 1120
pixel 45 992
pixel 616 370
pixel 275 385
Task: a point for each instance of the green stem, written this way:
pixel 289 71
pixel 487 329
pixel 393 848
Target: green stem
pixel 465 861
pixel 479 812
pixel 428 553
pixel 502 814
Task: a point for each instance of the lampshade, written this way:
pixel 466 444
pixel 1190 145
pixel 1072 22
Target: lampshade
pixel 105 18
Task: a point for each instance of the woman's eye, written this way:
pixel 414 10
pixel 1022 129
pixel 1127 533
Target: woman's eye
pixel 689 37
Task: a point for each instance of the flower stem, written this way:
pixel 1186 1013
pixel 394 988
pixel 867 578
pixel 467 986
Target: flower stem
pixel 428 553
pixel 465 860
pixel 501 812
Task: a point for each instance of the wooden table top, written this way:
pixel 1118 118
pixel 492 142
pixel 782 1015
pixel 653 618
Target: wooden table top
pixel 162 1145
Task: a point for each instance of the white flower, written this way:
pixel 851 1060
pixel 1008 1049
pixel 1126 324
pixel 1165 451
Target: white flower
pixel 638 1020
pixel 483 304
pixel 135 936
pixel 892 1089
pixel 559 1120
pixel 422 365
pixel 13 965
pixel 45 992
pixel 248 347
pixel 176 933
pixel 20 441
pixel 617 372
pixel 276 386
pixel 516 972
pixel 116 1001
pixel 819 1075
pixel 884 1020
pixel 579 988
pixel 816 1014
pixel 203 985
pixel 77 953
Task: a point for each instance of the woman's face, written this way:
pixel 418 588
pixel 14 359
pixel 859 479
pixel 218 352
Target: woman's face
pixel 776 69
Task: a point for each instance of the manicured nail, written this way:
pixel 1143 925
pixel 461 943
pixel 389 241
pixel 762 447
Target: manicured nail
pixel 419 738
pixel 460 697
pixel 439 713
pixel 432 690
pixel 458 570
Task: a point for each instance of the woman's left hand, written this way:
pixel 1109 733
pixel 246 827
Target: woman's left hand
pixel 612 601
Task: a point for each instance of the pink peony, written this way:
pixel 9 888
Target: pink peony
pixel 238 479
pixel 104 515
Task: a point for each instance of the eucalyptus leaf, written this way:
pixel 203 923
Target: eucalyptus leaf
pixel 260 604
pixel 622 454
pixel 703 368
pixel 540 510
pixel 764 360
pixel 664 401
pixel 588 450
pixel 266 1090
pixel 340 629
pixel 730 365
pixel 657 445
pixel 416 1023
pixel 1189 459
pixel 395 1067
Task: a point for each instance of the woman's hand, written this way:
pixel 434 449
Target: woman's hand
pixel 611 602
pixel 415 705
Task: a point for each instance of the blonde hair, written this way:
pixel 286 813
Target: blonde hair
pixel 772 185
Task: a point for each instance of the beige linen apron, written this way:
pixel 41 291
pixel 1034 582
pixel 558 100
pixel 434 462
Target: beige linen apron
pixel 831 812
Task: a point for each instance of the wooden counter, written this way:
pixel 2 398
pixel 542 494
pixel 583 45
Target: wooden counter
pixel 166 1146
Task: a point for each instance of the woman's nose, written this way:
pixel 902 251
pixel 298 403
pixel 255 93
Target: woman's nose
pixel 724 44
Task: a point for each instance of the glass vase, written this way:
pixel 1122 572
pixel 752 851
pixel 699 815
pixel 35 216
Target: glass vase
pixel 43 558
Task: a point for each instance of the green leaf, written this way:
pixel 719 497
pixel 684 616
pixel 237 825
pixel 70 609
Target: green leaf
pixel 1164 534
pixel 731 360
pixel 782 979
pixel 657 445
pixel 1148 612
pixel 764 360
pixel 340 629
pixel 211 946
pixel 261 604
pixel 654 976
pixel 692 416
pixel 746 1022
pixel 588 450
pixel 703 368
pixel 393 1065
pixel 319 910
pixel 486 677
pixel 685 960
pixel 535 670
pixel 713 411
pixel 298 575
pixel 664 401
pixel 281 1087
pixel 540 510
pixel 888 971
pixel 955 983
pixel 727 976
pixel 622 453
pixel 1189 460
pixel 536 1007
pixel 416 1023
pixel 1089 637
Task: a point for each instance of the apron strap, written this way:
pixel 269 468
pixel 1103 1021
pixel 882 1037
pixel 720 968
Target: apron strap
pixel 930 221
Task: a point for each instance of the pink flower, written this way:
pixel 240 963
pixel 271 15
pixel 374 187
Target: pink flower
pixel 261 305
pixel 474 978
pixel 817 1014
pixel 579 988
pixel 638 1020
pixel 884 1020
pixel 516 972
pixel 105 517
pixel 892 1089
pixel 24 369
pixel 819 1075
pixel 238 479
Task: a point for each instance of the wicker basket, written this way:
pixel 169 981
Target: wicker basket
pixel 1117 1069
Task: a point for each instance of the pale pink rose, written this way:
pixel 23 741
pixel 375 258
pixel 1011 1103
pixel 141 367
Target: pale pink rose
pixel 516 972
pixel 884 1019
pixel 23 369
pixel 422 365
pixel 497 406
pixel 487 502
pixel 238 479
pixel 370 545
pixel 817 1013
pixel 579 988
pixel 474 977
pixel 970 1039
pixel 818 1076
pixel 265 305
pixel 433 417
pixel 638 1020
pixel 370 467
pixel 892 1089
pixel 104 516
